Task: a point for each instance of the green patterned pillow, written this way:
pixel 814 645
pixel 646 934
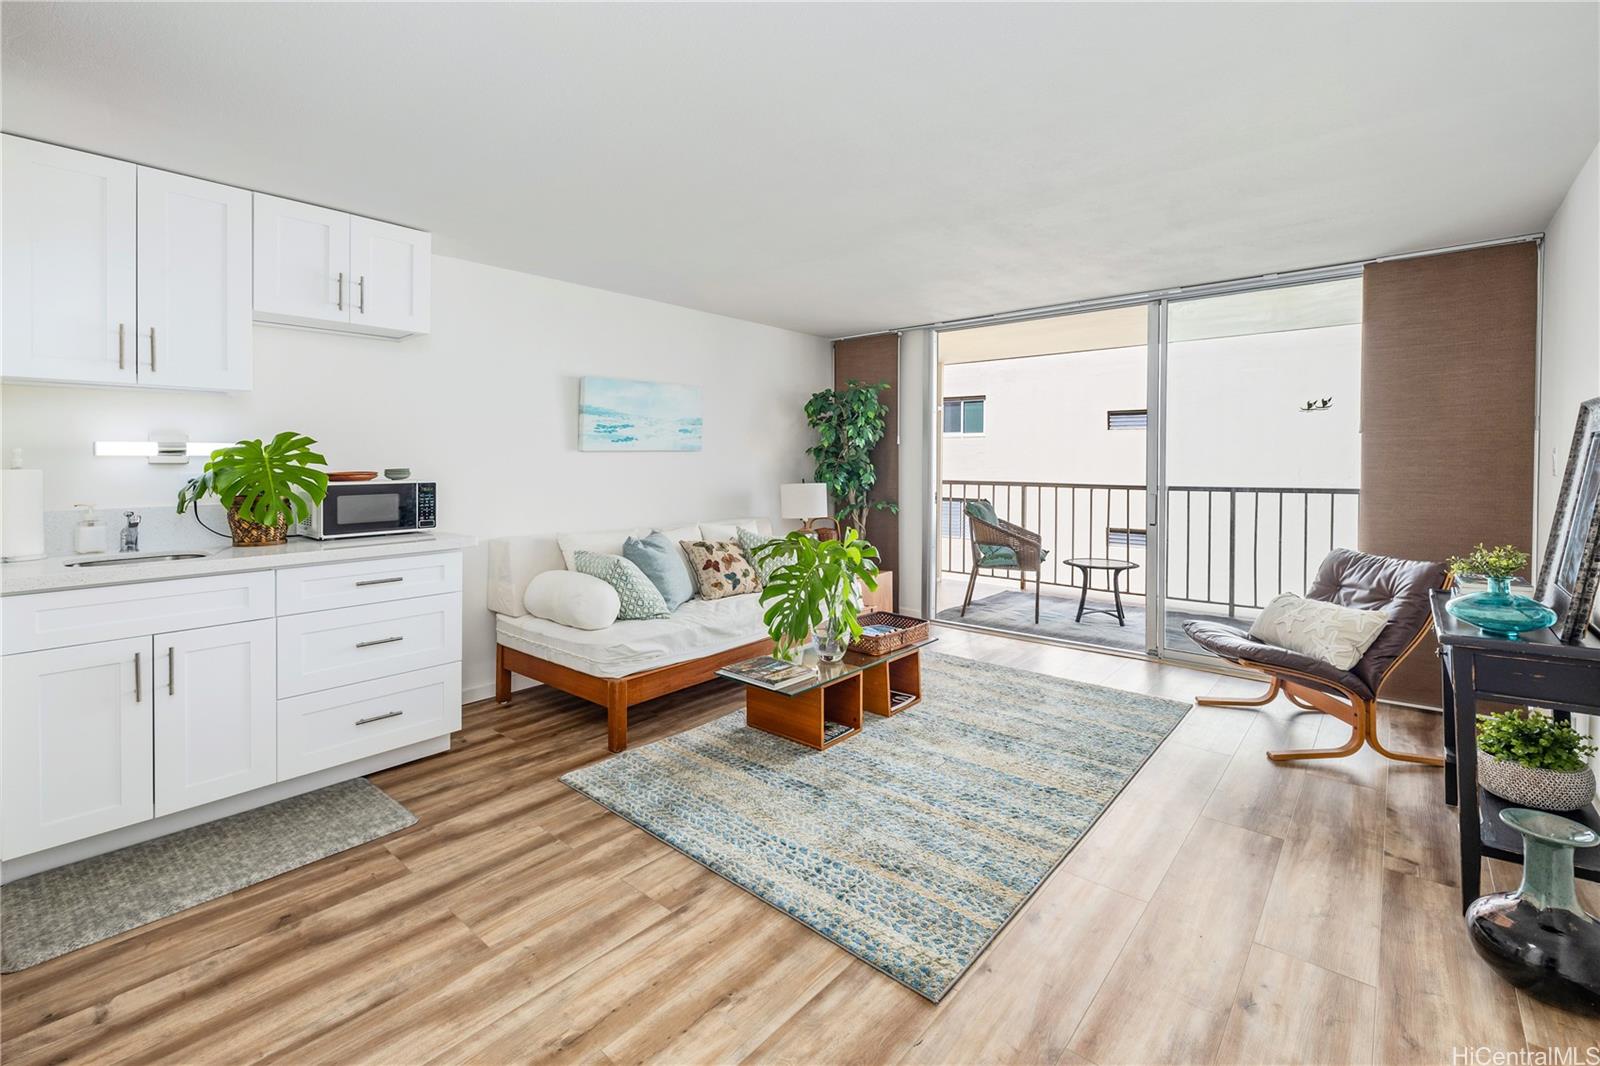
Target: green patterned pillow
pixel 640 598
pixel 750 541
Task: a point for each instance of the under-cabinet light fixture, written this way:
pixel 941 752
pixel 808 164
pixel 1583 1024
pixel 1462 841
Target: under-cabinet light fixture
pixel 166 450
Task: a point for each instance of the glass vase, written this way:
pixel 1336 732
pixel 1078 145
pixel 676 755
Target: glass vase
pixel 1539 938
pixel 1498 613
pixel 832 640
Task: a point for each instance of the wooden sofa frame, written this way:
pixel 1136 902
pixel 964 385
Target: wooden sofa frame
pixel 616 694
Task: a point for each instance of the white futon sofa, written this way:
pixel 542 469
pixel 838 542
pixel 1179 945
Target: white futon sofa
pixel 627 662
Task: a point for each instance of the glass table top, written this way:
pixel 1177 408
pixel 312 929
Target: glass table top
pixel 824 673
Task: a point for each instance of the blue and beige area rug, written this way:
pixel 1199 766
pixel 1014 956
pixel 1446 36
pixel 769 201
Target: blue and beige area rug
pixel 912 844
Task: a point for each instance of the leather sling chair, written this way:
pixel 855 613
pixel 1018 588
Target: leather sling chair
pixel 1397 587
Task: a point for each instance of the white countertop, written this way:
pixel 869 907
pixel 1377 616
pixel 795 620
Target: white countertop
pixel 53 574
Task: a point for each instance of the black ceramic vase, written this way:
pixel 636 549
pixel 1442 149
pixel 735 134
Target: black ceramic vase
pixel 1538 937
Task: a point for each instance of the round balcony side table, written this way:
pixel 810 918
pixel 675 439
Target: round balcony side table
pixel 1114 569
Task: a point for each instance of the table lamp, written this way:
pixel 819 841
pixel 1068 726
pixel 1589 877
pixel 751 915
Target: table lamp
pixel 807 502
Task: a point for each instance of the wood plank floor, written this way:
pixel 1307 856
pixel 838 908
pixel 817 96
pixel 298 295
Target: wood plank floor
pixel 1225 909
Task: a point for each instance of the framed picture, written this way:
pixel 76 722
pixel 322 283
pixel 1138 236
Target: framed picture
pixel 1571 570
pixel 618 415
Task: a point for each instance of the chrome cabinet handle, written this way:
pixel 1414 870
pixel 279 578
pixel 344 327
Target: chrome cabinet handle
pixel 122 345
pixel 172 675
pixel 380 640
pixel 138 683
pixel 379 717
pixel 340 300
pixel 361 289
pixel 152 349
pixel 378 581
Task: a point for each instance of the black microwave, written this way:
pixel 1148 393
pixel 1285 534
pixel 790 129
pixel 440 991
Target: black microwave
pixel 372 509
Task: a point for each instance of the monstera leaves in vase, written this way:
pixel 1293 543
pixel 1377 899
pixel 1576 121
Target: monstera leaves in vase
pixel 814 591
pixel 263 486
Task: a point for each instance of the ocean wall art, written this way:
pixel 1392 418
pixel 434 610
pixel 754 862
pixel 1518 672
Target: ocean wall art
pixel 619 415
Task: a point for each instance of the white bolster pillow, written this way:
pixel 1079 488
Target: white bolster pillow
pixel 572 599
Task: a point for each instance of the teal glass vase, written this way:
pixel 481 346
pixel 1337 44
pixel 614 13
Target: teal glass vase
pixel 1498 613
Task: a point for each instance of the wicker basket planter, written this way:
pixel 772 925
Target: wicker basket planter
pixel 249 534
pixel 1546 790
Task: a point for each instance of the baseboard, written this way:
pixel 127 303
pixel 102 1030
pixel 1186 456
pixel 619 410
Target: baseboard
pixel 485 690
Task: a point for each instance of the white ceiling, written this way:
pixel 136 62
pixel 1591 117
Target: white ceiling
pixel 843 168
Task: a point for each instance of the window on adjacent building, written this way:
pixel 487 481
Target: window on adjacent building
pixel 963 414
pixel 1127 419
pixel 1126 538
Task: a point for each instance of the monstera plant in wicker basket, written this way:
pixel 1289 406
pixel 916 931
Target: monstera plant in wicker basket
pixel 264 486
pixel 1534 761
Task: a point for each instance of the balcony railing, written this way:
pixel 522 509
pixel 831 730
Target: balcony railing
pixel 1228 545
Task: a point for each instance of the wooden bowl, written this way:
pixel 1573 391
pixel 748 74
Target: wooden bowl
pixel 352 475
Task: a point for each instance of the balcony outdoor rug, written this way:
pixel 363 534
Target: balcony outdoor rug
pixel 60 910
pixel 911 844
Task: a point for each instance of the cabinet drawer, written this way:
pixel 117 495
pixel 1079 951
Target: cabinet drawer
pixel 86 616
pixel 329 728
pixel 330 648
pixel 1521 679
pixel 320 588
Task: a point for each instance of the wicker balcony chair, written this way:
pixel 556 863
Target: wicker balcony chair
pixel 1002 545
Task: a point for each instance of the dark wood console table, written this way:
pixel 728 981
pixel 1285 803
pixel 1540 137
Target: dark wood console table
pixel 1536 670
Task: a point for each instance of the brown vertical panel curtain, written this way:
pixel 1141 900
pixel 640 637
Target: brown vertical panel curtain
pixel 873 360
pixel 1448 377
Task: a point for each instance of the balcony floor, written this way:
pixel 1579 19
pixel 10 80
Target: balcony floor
pixel 1002 606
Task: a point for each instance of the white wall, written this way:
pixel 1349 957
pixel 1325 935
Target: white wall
pixel 1234 417
pixel 486 406
pixel 1570 333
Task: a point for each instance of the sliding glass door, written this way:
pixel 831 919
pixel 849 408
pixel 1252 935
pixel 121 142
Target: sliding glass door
pixel 1179 459
pixel 1259 453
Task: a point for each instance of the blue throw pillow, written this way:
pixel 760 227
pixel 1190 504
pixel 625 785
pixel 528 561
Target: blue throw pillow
pixel 663 563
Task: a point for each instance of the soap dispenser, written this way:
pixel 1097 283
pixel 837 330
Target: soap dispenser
pixel 89 537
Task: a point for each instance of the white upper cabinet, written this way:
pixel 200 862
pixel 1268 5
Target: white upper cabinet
pixel 117 274
pixel 194 283
pixel 392 266
pixel 302 263
pixel 70 265
pixel 328 270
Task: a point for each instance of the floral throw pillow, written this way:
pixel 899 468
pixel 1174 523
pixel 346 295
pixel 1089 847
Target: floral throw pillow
pixel 750 541
pixel 722 568
pixel 639 598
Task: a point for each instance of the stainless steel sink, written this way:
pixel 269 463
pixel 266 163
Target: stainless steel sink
pixel 118 560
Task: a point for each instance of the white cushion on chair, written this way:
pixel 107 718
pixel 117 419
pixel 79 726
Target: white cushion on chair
pixel 1333 634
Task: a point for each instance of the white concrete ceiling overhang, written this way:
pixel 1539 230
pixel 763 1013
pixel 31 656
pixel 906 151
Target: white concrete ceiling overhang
pixel 843 168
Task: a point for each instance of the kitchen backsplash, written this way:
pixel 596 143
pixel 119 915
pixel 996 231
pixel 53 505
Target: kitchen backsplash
pixel 160 528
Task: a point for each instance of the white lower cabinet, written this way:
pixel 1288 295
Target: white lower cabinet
pixel 129 704
pixel 343 724
pixel 75 738
pixel 216 716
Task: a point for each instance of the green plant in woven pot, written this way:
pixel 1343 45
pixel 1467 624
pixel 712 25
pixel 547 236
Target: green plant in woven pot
pixel 813 591
pixel 1532 760
pixel 263 486
pixel 849 423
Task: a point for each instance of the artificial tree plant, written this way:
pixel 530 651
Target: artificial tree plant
pixel 849 423
pixel 263 486
pixel 814 590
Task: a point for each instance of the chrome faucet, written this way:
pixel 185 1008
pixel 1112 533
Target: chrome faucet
pixel 130 532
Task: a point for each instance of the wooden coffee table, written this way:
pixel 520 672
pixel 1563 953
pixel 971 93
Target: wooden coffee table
pixel 822 710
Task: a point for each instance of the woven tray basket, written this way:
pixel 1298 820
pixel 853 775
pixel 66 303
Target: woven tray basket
pixel 907 631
